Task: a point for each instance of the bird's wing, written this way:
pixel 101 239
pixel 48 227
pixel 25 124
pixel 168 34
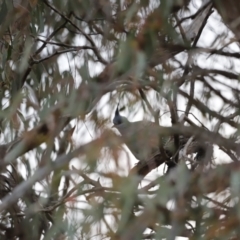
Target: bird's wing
pixel 141 137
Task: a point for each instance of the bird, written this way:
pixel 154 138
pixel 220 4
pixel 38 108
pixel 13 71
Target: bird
pixel 143 139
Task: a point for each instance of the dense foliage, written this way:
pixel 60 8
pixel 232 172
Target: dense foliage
pixel 66 66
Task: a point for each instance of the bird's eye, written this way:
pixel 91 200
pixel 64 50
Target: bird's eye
pixel 117 121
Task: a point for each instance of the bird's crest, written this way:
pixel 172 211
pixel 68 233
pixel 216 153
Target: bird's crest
pixel 118 119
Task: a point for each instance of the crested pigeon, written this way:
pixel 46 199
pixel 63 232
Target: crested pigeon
pixel 143 139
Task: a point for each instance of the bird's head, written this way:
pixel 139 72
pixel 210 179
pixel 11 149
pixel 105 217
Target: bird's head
pixel 118 119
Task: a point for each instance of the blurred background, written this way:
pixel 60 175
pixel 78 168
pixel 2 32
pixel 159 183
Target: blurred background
pixel 172 66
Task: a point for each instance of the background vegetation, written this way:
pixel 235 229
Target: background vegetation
pixel 65 65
